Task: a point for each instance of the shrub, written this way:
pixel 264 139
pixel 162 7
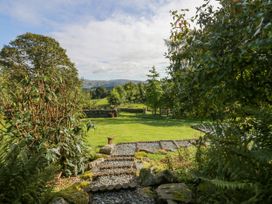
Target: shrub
pixel 42 96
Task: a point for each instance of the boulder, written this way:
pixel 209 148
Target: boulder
pixel 148 177
pixel 106 149
pixel 174 192
pixel 167 176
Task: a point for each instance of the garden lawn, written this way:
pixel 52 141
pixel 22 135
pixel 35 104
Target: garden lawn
pixel 129 127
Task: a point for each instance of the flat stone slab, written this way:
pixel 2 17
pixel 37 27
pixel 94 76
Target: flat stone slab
pixel 150 147
pixel 129 149
pixel 124 149
pixel 184 143
pixel 169 145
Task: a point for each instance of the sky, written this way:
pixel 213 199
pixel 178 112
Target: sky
pixel 106 39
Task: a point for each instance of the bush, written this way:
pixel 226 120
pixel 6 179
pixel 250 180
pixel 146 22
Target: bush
pixel 41 92
pixel 24 178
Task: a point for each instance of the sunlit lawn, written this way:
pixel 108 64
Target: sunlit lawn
pixel 103 103
pixel 137 127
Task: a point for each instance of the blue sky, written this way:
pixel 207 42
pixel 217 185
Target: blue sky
pixel 106 39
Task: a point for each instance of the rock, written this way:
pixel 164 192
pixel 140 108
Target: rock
pixel 58 200
pixel 174 192
pixel 95 163
pixel 146 192
pixel 171 202
pixel 107 149
pixel 167 176
pixel 148 178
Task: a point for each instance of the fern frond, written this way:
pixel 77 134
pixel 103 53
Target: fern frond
pixel 231 185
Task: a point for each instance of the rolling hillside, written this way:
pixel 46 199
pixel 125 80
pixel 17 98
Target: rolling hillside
pixel 88 84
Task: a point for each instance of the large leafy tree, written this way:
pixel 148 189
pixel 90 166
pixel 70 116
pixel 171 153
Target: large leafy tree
pixel 42 99
pixel 222 68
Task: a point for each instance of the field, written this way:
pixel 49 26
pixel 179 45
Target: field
pixel 103 103
pixel 138 127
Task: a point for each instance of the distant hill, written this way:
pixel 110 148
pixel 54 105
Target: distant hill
pixel 88 84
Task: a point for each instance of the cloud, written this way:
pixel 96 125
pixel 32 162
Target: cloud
pixel 106 38
pixel 130 45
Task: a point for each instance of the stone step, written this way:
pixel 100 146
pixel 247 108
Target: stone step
pixel 117 158
pixel 169 145
pixel 116 171
pixel 122 155
pixel 111 182
pixel 105 166
pixel 116 163
pixel 135 196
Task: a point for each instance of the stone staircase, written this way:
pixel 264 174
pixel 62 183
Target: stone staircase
pixel 115 179
pixel 114 173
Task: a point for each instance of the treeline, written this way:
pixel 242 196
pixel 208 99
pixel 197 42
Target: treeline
pixel 127 93
pixel 156 93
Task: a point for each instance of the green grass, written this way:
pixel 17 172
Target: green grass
pixel 130 127
pixel 99 103
pixel 103 103
pixel 132 105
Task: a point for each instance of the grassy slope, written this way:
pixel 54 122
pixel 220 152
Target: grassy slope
pixel 102 103
pixel 99 103
pixel 133 127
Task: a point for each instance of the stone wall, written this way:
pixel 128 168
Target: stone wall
pixel 132 110
pixel 101 113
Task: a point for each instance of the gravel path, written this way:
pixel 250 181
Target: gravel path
pixel 121 197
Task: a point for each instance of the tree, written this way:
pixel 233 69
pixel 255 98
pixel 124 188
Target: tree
pixel 153 90
pixel 99 92
pixel 141 93
pixel 115 98
pixel 43 100
pixel 167 98
pixel 131 92
pixel 222 68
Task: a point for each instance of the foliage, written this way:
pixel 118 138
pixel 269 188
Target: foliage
pixel 222 69
pixel 238 161
pixel 115 97
pixel 153 90
pixel 224 64
pixel 99 93
pixel 167 97
pixel 43 100
pixel 23 178
pixel 128 93
pixel 72 194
